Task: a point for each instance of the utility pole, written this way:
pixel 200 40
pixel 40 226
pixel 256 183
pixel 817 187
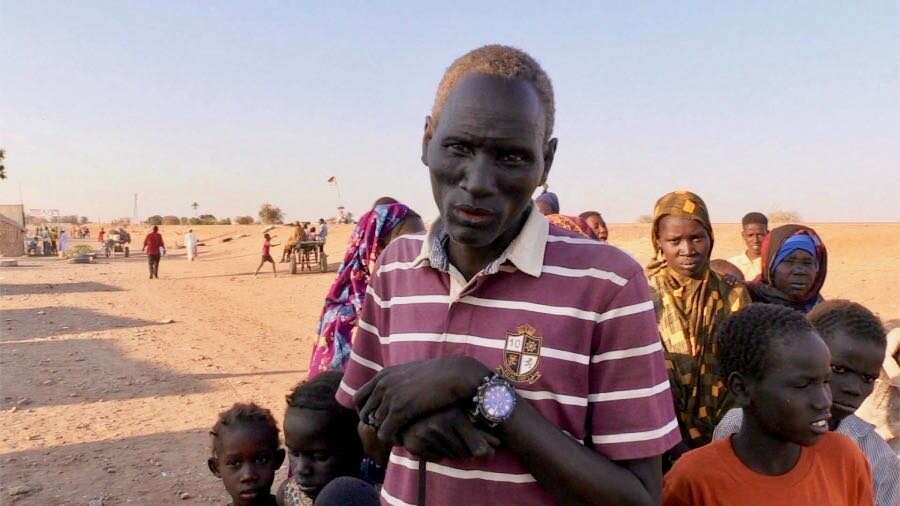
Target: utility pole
pixel 134 217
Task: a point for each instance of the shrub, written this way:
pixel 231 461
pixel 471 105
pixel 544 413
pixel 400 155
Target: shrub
pixel 226 221
pixel 171 220
pixel 81 249
pixel 83 220
pixel 784 216
pixel 155 220
pixel 645 218
pixel 244 220
pixel 269 214
pixel 184 220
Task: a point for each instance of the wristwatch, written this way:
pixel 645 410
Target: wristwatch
pixel 494 400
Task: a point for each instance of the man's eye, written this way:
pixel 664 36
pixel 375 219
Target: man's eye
pixel 513 158
pixel 460 149
pixel 233 463
pixel 262 459
pixel 838 369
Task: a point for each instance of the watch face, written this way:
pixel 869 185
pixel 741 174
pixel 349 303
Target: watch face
pixel 499 401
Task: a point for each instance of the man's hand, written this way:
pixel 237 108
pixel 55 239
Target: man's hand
pixel 448 434
pixel 398 395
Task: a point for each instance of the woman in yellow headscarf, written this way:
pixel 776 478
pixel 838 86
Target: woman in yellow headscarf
pixel 691 302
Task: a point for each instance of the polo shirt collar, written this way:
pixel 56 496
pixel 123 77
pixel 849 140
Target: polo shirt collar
pixel 525 252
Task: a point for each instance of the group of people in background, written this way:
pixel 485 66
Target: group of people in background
pixel 508 355
pixel 46 241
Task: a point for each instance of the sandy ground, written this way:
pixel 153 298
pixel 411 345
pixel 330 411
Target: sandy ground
pixel 101 400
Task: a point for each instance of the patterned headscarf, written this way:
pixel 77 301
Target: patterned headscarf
pixel 345 298
pixel 572 224
pixel 775 247
pixel 688 312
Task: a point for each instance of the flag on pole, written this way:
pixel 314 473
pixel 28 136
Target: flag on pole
pixel 332 180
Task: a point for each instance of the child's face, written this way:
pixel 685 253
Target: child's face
pixel 793 399
pixel 855 364
pixel 753 235
pixel 246 462
pixel 315 457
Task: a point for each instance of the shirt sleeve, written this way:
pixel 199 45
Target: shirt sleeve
pixel 366 357
pixel 865 493
pixel 630 401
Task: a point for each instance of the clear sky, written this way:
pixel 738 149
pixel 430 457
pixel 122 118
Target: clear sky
pixel 753 105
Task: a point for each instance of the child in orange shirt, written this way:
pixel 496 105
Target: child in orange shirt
pixel 777 369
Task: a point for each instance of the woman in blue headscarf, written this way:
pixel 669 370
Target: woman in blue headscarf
pixel 794 266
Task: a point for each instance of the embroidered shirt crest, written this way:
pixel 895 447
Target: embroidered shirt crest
pixel 522 354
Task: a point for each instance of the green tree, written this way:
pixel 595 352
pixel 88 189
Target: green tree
pixel 207 219
pixel 2 166
pixel 83 220
pixel 269 214
pixel 171 220
pixel 244 220
pixel 155 220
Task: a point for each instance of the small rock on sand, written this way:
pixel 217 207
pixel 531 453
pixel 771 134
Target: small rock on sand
pixel 20 490
pixel 185 496
pixel 167 321
pixel 41 312
pixel 96 502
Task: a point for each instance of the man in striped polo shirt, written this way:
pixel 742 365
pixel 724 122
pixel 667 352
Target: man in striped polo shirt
pixel 521 361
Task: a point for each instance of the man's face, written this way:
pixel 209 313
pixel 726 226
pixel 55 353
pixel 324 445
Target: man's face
pixel 793 399
pixel 753 235
pixel 486 155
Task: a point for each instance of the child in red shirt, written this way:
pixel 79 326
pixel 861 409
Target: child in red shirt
pixel 777 369
pixel 266 256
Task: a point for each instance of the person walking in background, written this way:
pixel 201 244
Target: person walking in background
pixel 266 255
pixel 190 243
pixel 102 235
pixel 323 231
pixel 155 247
pixel 63 243
pixel 755 227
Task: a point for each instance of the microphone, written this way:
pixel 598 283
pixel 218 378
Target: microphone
pixel 347 491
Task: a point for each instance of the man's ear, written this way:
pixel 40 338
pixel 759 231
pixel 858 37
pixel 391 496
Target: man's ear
pixel 549 155
pixel 740 388
pixel 279 458
pixel 426 138
pixel 213 464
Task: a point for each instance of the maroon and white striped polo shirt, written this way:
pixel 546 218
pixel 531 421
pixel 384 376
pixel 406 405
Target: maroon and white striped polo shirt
pixel 567 319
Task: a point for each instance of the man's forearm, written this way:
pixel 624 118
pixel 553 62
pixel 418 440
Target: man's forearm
pixel 571 472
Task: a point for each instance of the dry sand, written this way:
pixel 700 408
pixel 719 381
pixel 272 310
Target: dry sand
pixel 99 399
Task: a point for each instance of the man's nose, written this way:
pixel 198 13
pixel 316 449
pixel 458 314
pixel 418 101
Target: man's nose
pixel 480 178
pixel 821 399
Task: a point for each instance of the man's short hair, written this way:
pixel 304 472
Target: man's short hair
pixel 500 61
pixel 836 315
pixel 755 218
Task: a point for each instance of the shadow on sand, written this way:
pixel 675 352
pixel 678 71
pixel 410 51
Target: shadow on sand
pixel 27 324
pixel 43 288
